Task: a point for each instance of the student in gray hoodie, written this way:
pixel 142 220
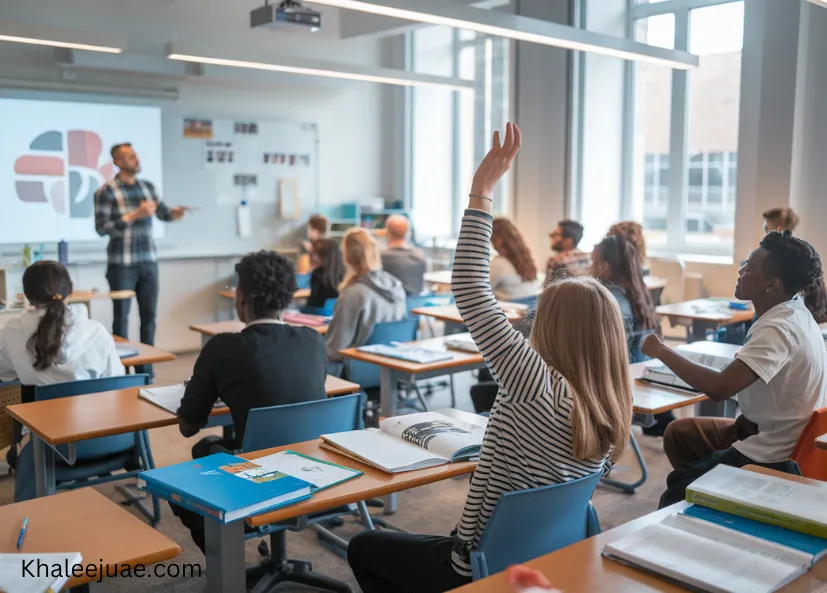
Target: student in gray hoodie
pixel 368 295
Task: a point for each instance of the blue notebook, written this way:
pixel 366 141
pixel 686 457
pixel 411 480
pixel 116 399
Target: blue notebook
pixel 224 487
pixel 405 352
pixel 809 544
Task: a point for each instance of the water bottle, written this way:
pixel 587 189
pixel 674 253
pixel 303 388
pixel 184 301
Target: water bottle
pixel 63 253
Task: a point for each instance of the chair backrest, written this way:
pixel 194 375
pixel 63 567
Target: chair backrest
pixel 303 280
pixel 293 423
pixel 368 375
pixel 530 523
pixel 10 394
pixel 100 447
pixel 325 311
pixel 811 460
pixel 673 271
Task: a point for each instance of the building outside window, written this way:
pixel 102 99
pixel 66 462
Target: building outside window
pixel 684 127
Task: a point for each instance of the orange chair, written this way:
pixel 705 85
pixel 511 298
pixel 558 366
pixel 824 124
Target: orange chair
pixel 811 460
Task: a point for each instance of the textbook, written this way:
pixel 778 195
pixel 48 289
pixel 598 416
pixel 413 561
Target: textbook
pixel 708 557
pixel 224 487
pixel 462 342
pixel 169 397
pixel 36 573
pixel 793 505
pixel 406 443
pixel 406 352
pixel 655 371
pixel 320 474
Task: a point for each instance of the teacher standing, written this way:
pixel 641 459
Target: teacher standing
pixel 124 208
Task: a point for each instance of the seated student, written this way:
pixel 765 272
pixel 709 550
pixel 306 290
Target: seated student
pixel 367 296
pixel 316 229
pixel 564 241
pixel 327 274
pixel 564 407
pixel 513 273
pixel 267 364
pixel 53 342
pixel 778 376
pixel 401 259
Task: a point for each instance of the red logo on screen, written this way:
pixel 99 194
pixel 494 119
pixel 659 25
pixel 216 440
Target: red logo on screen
pixel 63 170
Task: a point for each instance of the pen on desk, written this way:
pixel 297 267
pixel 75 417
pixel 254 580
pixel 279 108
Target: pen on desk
pixel 22 532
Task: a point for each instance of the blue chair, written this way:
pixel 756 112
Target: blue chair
pixel 97 459
pixel 293 423
pixel 367 375
pixel 303 280
pixel 530 523
pixel 326 311
pixel 530 301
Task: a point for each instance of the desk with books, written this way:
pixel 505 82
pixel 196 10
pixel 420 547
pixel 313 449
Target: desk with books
pixel 69 420
pixel 87 522
pixel 705 314
pixel 146 354
pixel 225 543
pixel 581 567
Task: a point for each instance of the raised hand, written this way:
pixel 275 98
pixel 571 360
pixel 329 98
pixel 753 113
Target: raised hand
pixel 495 164
pixel 651 345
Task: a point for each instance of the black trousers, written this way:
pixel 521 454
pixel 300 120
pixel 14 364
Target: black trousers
pixel 391 562
pixel 143 279
pixel 191 520
pixel 678 480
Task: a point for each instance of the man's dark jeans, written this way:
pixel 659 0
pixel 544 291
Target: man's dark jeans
pixel 143 279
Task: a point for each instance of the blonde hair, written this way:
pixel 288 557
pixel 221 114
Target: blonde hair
pixel 360 254
pixel 578 331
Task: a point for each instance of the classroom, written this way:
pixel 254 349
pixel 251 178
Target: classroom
pixel 382 296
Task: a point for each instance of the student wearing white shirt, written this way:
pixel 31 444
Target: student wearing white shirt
pixel 54 342
pixel 778 376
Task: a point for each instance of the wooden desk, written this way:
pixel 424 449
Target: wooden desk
pixel 442 278
pixel 84 521
pixel 300 295
pixel 86 296
pixel 68 420
pixel 208 330
pixel 704 314
pixel 225 543
pixel 580 567
pixel 450 314
pixel 146 354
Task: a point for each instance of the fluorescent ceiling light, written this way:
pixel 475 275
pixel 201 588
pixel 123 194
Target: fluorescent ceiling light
pixel 66 44
pixel 342 71
pixel 17 32
pixel 451 14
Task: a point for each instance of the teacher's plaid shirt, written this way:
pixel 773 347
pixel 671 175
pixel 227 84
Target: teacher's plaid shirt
pixel 128 243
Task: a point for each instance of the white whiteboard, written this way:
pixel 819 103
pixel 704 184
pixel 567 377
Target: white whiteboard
pixel 55 155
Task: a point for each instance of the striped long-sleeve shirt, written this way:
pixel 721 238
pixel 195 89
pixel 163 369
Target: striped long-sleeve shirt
pixel 528 442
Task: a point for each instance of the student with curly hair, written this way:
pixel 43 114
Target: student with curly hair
pixel 267 364
pixel 778 376
pixel 513 273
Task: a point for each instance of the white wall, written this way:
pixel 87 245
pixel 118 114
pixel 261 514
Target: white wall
pixel 359 151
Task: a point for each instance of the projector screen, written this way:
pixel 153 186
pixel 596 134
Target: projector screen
pixel 55 155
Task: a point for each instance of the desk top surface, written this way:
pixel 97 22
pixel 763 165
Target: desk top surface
pixel 72 419
pixel 580 567
pixel 83 521
pixel 443 277
pixel 458 359
pixel 82 296
pixel 450 313
pixel 229 293
pixel 235 326
pixel 146 354
pixel 372 484
pixel 713 310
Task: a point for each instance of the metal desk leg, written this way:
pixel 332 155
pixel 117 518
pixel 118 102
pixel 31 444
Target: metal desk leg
pixel 629 488
pixel 699 329
pixel 225 556
pixel 388 393
pixel 44 467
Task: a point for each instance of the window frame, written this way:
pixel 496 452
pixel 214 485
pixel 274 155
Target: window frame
pixel 679 163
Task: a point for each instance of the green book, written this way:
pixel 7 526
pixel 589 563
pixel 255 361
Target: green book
pixel 776 501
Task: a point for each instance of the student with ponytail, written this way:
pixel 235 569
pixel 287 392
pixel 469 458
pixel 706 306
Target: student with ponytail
pixel 53 342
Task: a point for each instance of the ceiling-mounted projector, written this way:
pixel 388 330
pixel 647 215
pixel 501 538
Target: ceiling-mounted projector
pixel 289 15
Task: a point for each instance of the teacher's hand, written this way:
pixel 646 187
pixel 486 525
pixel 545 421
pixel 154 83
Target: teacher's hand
pixel 495 164
pixel 178 212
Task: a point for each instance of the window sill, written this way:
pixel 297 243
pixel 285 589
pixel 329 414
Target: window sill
pixel 695 258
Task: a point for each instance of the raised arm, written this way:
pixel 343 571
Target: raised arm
pixel 518 369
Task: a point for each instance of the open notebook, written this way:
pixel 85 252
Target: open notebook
pixel 169 397
pixel 405 443
pixel 657 372
pixel 13 579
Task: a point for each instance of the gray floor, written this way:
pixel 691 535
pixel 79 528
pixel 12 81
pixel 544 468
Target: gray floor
pixel 430 509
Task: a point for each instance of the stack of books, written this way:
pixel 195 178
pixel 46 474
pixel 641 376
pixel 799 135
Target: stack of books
pixel 745 533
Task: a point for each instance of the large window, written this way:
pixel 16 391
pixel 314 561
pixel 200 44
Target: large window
pixel 450 131
pixel 684 127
